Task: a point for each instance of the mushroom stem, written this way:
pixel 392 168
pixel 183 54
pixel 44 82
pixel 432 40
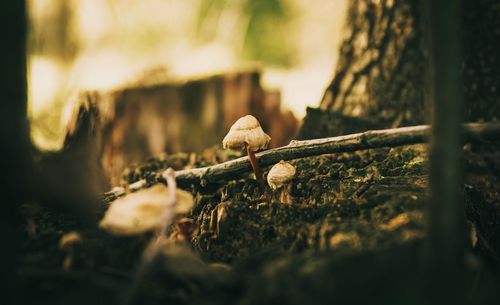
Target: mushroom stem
pixel 68 260
pixel 285 196
pixel 168 213
pixel 256 168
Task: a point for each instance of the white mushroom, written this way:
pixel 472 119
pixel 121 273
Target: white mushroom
pixel 279 176
pixel 246 133
pixel 142 211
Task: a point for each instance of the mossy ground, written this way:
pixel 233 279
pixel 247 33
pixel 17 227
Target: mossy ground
pixel 351 208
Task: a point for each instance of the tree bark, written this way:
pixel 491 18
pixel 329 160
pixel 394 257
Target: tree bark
pixel 381 72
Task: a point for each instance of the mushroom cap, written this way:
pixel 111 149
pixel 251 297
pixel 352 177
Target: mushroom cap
pixel 142 211
pixel 246 130
pixel 69 239
pixel 281 173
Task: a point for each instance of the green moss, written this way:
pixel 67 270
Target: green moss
pixel 356 194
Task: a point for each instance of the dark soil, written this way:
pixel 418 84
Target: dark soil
pixel 353 230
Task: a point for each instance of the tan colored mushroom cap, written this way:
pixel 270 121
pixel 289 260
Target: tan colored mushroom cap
pixel 280 174
pixel 246 130
pixel 69 239
pixel 139 212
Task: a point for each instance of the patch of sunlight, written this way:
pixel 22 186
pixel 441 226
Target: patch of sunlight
pixel 301 87
pixel 44 78
pixel 120 41
pixel 44 102
pixel 104 69
pixel 189 61
pixel 44 142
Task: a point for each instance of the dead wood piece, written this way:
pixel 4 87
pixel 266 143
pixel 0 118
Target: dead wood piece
pixel 474 132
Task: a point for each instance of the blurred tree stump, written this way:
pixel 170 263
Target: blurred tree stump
pixel 140 121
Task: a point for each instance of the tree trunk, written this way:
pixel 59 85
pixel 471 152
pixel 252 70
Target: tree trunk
pixel 13 134
pixel 381 65
pixel 381 73
pixel 383 79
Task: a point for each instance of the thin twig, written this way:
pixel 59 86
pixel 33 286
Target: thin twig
pixel 472 132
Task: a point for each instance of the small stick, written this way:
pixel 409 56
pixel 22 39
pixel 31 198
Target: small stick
pixel 472 132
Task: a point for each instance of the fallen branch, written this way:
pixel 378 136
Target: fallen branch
pixel 473 132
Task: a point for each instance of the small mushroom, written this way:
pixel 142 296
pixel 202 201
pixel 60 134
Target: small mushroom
pixel 278 178
pixel 246 133
pixel 142 211
pixel 221 218
pixel 67 244
pixel 218 217
pixel 186 227
pixel 345 239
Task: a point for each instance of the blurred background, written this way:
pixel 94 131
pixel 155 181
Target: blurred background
pixel 285 48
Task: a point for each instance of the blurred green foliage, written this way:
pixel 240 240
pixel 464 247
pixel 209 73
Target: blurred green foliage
pixel 263 26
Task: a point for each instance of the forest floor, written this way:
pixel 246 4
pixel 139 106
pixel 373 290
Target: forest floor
pixel 354 227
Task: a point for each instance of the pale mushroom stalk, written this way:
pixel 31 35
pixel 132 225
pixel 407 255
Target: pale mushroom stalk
pixel 255 167
pixel 169 213
pixel 159 241
pixel 166 219
pixel 150 209
pixel 284 197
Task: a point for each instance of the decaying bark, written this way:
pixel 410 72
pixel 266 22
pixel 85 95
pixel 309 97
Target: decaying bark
pixel 481 67
pixel 320 123
pixel 381 72
pixel 381 64
pixel 142 121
